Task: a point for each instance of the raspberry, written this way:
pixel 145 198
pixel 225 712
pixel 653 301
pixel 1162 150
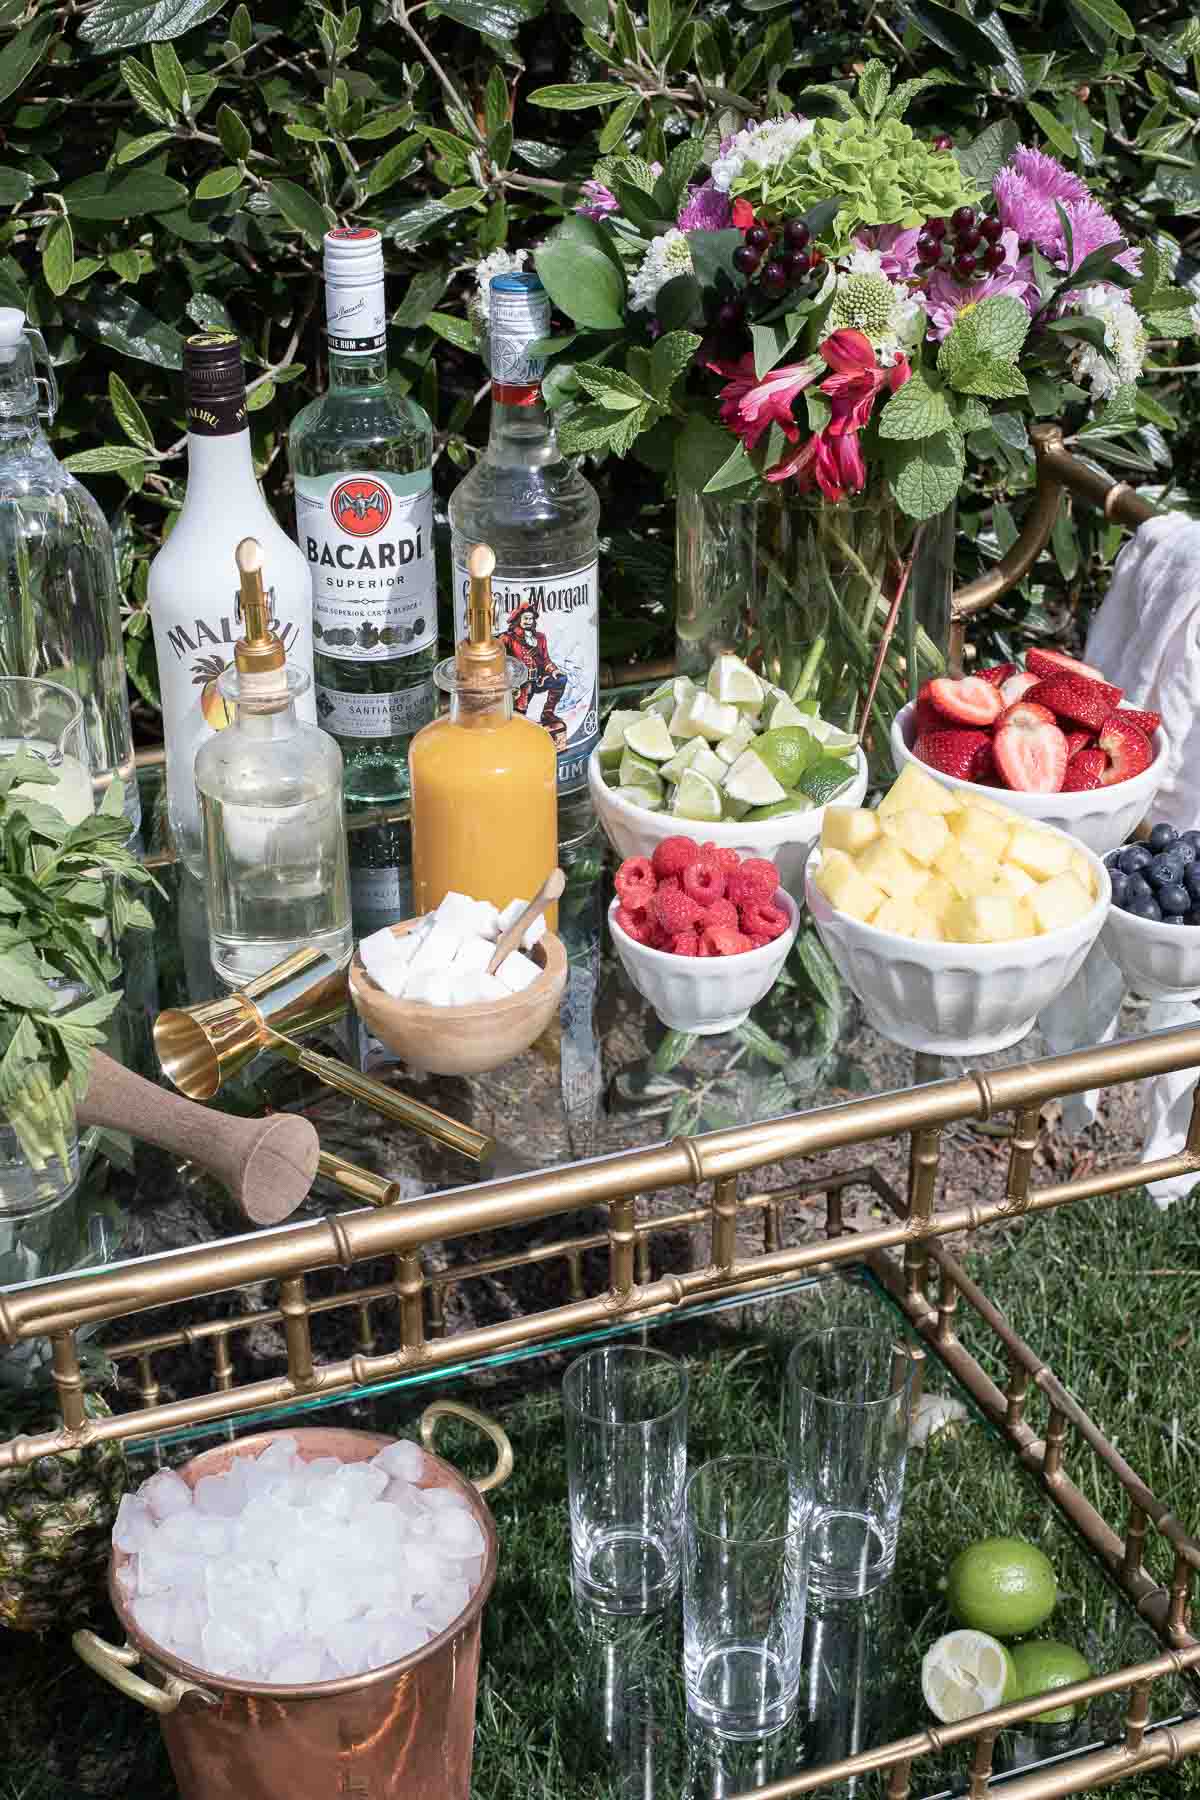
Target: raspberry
pixel 686 944
pixel 724 940
pixel 724 857
pixel 635 881
pixel 635 922
pixel 721 912
pixel 707 947
pixel 704 882
pixel 673 856
pixel 764 921
pixel 674 910
pixel 756 943
pixel 761 870
pixel 751 890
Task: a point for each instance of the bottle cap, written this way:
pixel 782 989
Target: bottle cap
pixel 214 383
pixel 355 318
pixel 518 316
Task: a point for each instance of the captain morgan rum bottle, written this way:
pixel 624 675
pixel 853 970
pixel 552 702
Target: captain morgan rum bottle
pixel 361 459
pixel 540 516
pixel 195 610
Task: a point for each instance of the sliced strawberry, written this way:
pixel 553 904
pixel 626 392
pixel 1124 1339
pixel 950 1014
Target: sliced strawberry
pixel 1128 748
pixel 967 755
pixel 1057 662
pixel 1148 722
pixel 1086 703
pixel 1017 686
pixel 1030 750
pixel 927 717
pixel 1080 740
pixel 1084 771
pixel 968 701
pixel 998 674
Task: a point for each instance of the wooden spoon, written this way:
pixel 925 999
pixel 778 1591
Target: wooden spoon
pixel 546 895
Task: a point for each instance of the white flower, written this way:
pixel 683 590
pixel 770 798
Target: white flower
pixel 666 257
pixel 757 149
pixel 884 310
pixel 862 261
pixel 500 262
pixel 1124 339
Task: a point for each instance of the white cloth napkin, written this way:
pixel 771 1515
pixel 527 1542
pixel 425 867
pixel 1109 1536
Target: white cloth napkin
pixel 1145 636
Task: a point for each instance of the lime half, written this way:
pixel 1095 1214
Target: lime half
pixel 729 680
pixel 1043 1664
pixel 787 751
pixel 696 797
pixel 964 1673
pixel 1002 1585
pixel 779 809
pixel 823 780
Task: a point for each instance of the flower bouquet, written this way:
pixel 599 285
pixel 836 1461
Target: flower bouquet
pixel 817 318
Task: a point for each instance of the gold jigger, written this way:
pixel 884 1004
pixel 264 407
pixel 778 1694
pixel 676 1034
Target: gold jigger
pixel 199 1047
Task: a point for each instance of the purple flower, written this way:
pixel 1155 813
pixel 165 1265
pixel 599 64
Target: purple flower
pixel 946 299
pixel 705 209
pixel 597 201
pixel 897 246
pixel 1091 229
pixel 1027 189
pixel 1045 175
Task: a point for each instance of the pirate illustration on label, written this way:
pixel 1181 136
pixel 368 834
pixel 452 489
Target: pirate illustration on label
pixel 522 640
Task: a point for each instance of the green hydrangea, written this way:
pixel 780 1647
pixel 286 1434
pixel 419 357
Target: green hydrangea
pixel 862 303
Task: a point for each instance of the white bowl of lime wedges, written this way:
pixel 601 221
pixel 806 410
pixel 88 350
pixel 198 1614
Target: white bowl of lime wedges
pixel 735 762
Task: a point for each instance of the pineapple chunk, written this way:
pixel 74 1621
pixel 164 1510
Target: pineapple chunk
pixel 982 803
pixel 937 897
pixel 1038 853
pixel 967 872
pixel 983 831
pixel 898 916
pixel 914 791
pixel 1059 902
pixel 848 828
pixel 1012 880
pixel 920 834
pixel 987 919
pixel 846 889
pixel 926 926
pixel 892 869
pixel 1081 869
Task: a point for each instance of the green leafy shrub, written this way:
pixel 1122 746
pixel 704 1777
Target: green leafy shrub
pixel 172 164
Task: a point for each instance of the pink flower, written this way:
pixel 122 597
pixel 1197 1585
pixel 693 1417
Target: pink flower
pixel 1091 229
pixel 833 464
pixel 1045 174
pixel 750 406
pixel 947 299
pixel 856 380
pixel 597 201
pixel 1027 189
pixel 705 209
pixel 897 246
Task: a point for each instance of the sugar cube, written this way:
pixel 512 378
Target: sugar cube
pixel 438 947
pixel 517 972
pixel 473 954
pixel 431 985
pixel 458 911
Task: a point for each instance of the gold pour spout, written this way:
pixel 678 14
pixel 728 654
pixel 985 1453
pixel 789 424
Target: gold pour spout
pixel 479 659
pixel 258 652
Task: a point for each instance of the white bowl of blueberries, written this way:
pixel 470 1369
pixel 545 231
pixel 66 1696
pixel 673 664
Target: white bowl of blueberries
pixel 1153 928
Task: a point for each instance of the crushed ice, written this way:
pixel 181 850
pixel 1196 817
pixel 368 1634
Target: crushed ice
pixel 288 1572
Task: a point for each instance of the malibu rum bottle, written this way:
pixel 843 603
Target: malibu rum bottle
pixel 361 459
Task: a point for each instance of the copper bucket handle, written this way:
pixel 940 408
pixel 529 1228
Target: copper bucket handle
pixel 115 1664
pixel 454 1409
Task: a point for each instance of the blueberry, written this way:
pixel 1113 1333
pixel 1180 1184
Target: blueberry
pixel 1186 853
pixel 1192 918
pixel 1191 880
pixel 1144 909
pixel 1162 837
pixel 1120 886
pixel 1174 898
pixel 1164 869
pixel 1136 858
pixel 1137 888
pixel 1192 838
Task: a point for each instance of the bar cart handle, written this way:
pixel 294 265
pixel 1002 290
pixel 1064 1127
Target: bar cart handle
pixel 453 1409
pixel 115 1664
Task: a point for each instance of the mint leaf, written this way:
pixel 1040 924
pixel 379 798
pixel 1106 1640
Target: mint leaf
pixel 993 376
pixel 969 414
pixel 999 325
pixel 916 410
pixel 925 477
pixel 615 391
pixel 671 355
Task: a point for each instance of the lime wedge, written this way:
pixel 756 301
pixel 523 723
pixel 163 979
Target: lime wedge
pixel 702 716
pixel 731 681
pixel 795 803
pixel 612 744
pixel 840 743
pixel 638 771
pixel 730 748
pixel 785 712
pixel 697 755
pixel 751 780
pixel 787 751
pixel 823 780
pixel 650 738
pixel 696 797
pixel 662 700
pixel 734 810
pixel 643 797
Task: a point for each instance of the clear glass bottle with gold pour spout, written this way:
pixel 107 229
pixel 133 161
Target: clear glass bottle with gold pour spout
pixel 484 779
pixel 271 812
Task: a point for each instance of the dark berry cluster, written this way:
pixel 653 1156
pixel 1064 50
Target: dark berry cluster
pixel 1159 879
pixel 970 242
pixel 778 259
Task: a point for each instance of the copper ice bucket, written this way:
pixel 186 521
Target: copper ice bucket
pixel 404 1730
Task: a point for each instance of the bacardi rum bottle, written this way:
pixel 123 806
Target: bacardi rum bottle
pixel 194 603
pixel 540 516
pixel 362 459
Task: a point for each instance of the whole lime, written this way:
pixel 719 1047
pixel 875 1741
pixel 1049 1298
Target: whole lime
pixel 1043 1664
pixel 1001 1585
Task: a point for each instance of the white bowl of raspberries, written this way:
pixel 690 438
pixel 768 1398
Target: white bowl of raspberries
pixel 701 932
pixel 1152 931
pixel 1054 738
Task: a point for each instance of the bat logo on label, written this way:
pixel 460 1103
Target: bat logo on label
pixel 361 507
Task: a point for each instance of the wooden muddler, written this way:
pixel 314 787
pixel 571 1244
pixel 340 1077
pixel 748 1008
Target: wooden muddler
pixel 268 1165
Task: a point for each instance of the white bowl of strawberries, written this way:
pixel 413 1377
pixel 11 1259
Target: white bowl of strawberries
pixel 1054 739
pixel 701 932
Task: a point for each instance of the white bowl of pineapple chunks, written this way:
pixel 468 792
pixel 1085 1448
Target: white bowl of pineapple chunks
pixel 954 919
pixel 734 762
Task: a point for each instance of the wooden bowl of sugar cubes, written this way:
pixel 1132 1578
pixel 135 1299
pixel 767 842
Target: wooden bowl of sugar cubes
pixel 423 989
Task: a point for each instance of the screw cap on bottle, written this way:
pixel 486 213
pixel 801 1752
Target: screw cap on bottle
pixel 355 317
pixel 518 317
pixel 214 383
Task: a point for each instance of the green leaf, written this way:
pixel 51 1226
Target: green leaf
pixel 105 460
pixel 171 77
pixel 1064 541
pixel 614 390
pixel 874 86
pixel 15 187
pixel 818 968
pixel 124 325
pixel 585 428
pixel 218 183
pixel 660 26
pixel 146 91
pixel 1054 130
pixel 141 146
pixel 925 477
pixel 985 155
pixel 1106 15
pixel 126 196
pixel 578 95
pixel 591 13
pixel 701 448
pixel 759 1043
pixel 901 98
pixel 394 164
pixel 118 24
pixel 299 209
pixel 461 197
pixel 383 124
pixel 992 376
pixel 971 414
pixel 950 31
pixel 671 356
pixel 580 276
pixel 999 325
pixel 618 122
pixel 422 295
pixel 446 143
pixel 58 255
pixel 679 303
pixel 23 52
pixel 917 410
pixel 498 19
pixel 21 986
pixel 235 139
pixel 773 341
pixel 130 417
pixel 454 331
pixel 736 469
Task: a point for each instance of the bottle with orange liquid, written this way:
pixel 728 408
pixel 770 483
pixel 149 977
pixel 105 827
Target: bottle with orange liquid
pixel 484 779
